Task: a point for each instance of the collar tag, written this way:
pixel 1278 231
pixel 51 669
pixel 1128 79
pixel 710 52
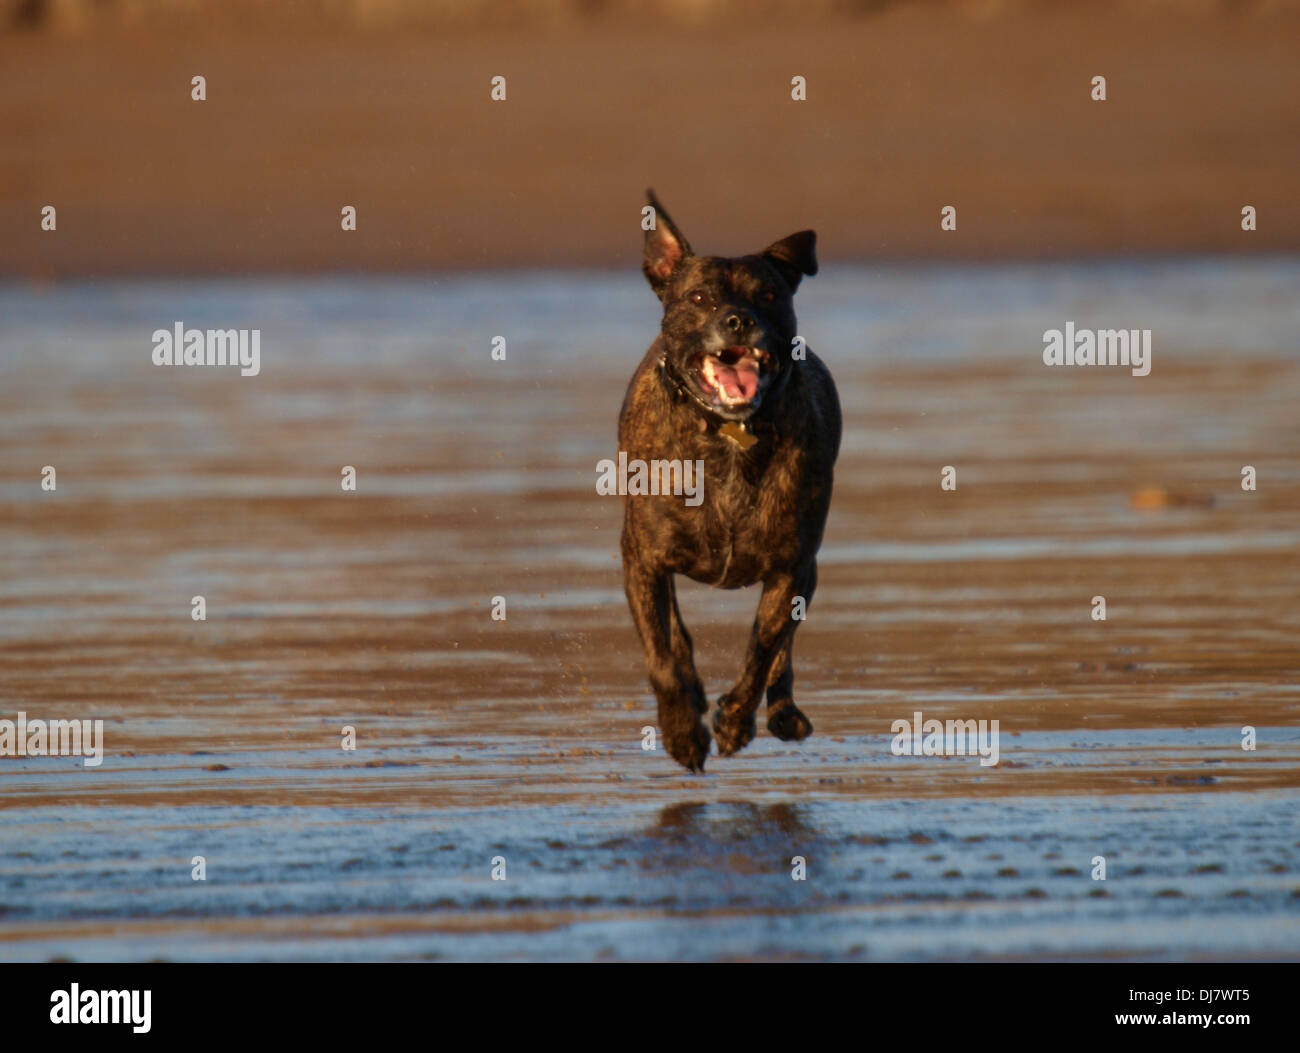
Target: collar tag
pixel 737 434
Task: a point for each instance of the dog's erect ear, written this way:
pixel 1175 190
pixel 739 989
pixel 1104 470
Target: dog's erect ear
pixel 665 248
pixel 794 256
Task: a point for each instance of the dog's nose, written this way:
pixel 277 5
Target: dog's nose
pixel 738 321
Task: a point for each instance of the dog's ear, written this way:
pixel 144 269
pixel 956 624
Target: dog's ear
pixel 794 256
pixel 665 248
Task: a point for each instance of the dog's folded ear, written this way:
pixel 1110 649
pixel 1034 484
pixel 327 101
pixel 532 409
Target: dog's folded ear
pixel 665 248
pixel 794 256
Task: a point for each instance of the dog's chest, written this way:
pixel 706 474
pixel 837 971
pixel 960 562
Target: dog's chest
pixel 747 520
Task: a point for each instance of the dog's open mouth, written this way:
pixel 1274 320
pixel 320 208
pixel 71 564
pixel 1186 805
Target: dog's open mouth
pixel 730 377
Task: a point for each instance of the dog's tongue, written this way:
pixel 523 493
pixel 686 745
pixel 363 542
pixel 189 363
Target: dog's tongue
pixel 739 381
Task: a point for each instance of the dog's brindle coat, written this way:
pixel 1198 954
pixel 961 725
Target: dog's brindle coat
pixel 721 385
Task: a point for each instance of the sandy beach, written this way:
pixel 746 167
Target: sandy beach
pixel 500 802
pixel 909 108
pixel 522 738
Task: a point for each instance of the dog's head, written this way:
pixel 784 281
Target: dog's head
pixel 728 324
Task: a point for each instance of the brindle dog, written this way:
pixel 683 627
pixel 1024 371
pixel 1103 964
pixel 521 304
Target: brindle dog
pixel 727 383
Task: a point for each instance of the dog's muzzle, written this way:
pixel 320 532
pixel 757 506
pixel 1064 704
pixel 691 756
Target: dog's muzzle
pixel 729 382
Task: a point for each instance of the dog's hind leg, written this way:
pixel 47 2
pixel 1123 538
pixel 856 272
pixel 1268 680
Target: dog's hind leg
pixel 774 626
pixel 785 720
pixel 679 692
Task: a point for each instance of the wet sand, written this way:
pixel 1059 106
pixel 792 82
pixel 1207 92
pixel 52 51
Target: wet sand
pixel 522 738
pixel 983 106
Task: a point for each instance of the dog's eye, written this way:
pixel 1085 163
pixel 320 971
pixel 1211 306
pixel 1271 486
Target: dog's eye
pixel 767 296
pixel 697 296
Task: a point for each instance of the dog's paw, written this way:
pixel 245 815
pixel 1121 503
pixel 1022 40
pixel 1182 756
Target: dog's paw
pixel 733 731
pixel 688 745
pixel 786 721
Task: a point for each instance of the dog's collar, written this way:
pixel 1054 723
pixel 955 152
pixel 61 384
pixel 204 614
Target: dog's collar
pixel 679 389
pixel 739 432
pixel 736 431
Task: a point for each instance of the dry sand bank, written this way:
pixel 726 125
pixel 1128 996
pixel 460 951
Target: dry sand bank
pixel 908 109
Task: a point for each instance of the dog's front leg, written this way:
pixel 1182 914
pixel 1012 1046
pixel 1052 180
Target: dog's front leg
pixel 733 720
pixel 667 655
